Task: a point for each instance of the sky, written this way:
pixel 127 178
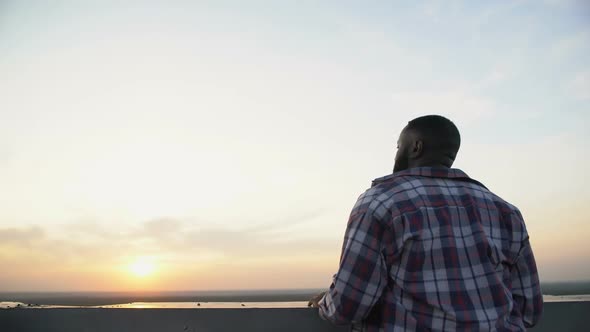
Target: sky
pixel 200 145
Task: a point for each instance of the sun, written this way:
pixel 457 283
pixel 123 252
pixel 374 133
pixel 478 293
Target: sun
pixel 142 267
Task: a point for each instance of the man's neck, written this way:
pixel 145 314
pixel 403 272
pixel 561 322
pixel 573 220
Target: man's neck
pixel 430 163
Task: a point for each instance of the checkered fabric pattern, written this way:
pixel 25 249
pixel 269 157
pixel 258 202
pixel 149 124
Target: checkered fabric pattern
pixel 430 249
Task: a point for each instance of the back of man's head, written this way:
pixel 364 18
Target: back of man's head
pixel 428 140
pixel 437 133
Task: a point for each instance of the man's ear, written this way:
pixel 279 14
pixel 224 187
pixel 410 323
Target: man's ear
pixel 417 148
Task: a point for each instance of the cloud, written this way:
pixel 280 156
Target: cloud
pixel 565 48
pixel 580 86
pixel 258 240
pixel 432 10
pixel 566 3
pixel 168 239
pixel 28 236
pixel 6 154
pixel 496 75
pixel 506 68
pixel 161 228
pixel 456 104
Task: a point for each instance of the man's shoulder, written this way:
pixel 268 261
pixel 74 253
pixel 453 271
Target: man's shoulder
pixel 383 196
pixel 377 199
pixel 404 187
pixel 506 206
pixel 385 190
pixel 501 204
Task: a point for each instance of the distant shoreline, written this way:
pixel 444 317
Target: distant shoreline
pixel 279 295
pixel 566 287
pixel 109 298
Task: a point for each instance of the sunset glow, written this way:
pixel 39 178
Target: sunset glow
pixel 142 268
pixel 222 144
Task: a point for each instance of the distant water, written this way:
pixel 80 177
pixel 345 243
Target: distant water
pixel 167 305
pixel 109 298
pixel 227 305
pixel 566 288
pixel 291 298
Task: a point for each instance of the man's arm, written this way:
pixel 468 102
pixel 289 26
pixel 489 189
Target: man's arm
pixel 526 289
pixel 362 274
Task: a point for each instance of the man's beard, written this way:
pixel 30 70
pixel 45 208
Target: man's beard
pixel 401 164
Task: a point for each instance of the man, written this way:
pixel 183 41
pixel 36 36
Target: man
pixel 428 248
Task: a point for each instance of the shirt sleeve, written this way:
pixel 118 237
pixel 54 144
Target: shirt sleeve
pixel 526 289
pixel 362 275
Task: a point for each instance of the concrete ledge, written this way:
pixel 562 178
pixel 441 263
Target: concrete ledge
pixel 559 316
pixel 564 316
pixel 173 320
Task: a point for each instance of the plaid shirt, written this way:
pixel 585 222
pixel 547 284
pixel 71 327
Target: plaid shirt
pixel 431 249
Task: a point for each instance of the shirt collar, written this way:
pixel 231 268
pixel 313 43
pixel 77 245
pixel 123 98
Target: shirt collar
pixel 431 172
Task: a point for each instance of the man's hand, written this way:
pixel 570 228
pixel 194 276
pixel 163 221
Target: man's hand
pixel 314 302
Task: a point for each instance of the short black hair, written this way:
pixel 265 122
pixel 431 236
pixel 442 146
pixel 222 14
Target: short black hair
pixel 438 134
